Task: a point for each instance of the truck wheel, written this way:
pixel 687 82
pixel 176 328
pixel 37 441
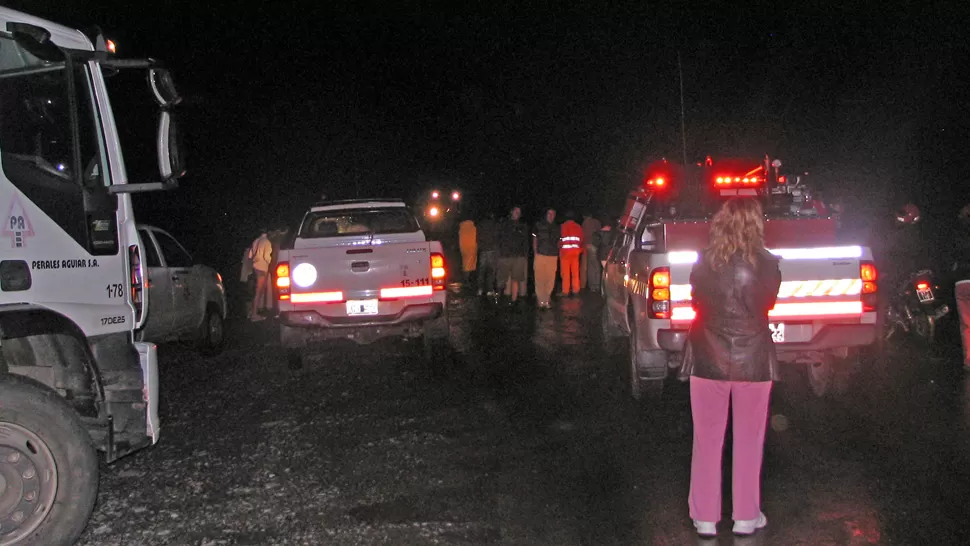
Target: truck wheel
pixel 819 376
pixel 434 338
pixel 212 333
pixel 294 359
pixel 609 331
pixel 644 389
pixel 48 467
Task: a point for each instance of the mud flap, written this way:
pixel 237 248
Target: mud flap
pixel 148 358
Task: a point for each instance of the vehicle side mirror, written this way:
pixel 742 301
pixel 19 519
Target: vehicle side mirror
pixel 171 153
pixel 163 87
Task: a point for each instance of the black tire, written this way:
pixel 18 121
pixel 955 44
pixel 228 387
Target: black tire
pixel 644 389
pixel 44 435
pixel 609 330
pixel 820 376
pixel 294 359
pixel 212 332
pixel 434 339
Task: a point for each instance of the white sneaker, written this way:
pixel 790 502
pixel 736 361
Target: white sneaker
pixel 706 528
pixel 749 526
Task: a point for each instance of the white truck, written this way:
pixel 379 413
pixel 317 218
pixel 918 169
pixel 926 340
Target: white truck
pixel 827 303
pixel 73 380
pixel 361 270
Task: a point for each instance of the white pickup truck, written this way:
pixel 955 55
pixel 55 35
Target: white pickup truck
pixel 827 308
pixel 361 270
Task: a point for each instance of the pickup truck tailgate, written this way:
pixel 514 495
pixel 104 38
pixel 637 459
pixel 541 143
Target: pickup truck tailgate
pixel 362 271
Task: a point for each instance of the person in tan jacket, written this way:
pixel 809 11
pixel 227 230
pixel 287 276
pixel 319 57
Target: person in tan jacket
pixel 261 253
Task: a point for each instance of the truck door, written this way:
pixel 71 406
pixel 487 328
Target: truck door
pixel 160 306
pixel 186 290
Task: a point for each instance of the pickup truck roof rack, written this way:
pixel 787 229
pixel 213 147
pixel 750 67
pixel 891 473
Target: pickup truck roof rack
pixel 357 201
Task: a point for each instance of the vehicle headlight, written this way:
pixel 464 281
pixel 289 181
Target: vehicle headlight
pixel 304 275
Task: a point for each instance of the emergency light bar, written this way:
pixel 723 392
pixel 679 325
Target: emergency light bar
pixel 820 253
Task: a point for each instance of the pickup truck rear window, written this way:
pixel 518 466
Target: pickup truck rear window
pixel 348 222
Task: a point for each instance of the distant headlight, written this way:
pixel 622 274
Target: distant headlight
pixel 304 275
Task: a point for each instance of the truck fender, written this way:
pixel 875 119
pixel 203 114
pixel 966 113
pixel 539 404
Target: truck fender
pixel 48 347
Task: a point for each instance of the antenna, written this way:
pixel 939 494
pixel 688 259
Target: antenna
pixel 683 129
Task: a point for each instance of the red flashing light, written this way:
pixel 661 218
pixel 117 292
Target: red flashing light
pixel 922 285
pixel 658 182
pixel 782 179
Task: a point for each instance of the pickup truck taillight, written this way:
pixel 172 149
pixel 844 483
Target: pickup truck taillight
pixel 283 280
pixel 135 280
pixel 658 293
pixel 870 286
pixel 438 271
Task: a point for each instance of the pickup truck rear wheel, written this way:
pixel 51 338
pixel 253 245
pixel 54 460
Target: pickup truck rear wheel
pixel 609 330
pixel 48 467
pixel 644 389
pixel 213 332
pixel 820 376
pixel 434 338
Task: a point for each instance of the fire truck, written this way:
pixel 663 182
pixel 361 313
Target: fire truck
pixel 73 378
pixel 826 310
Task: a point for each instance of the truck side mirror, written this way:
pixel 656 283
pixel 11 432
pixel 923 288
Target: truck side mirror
pixel 171 152
pixel 163 87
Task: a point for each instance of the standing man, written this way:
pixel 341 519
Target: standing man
pixel 587 263
pixel 571 245
pixel 545 247
pixel 602 241
pixel 488 255
pixel 261 253
pixel 276 240
pixel 513 254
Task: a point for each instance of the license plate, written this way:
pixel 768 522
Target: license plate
pixel 362 307
pixel 924 294
pixel 777 332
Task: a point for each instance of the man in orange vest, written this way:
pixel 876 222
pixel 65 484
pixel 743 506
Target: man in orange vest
pixel 571 246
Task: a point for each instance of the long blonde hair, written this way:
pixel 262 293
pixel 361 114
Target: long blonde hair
pixel 739 227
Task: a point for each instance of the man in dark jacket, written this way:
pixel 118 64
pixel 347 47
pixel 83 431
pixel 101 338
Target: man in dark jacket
pixel 602 241
pixel 488 238
pixel 513 254
pixel 545 247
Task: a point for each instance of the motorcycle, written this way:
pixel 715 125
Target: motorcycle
pixel 918 303
pixel 917 307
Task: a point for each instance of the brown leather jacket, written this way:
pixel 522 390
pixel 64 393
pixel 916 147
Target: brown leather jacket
pixel 729 339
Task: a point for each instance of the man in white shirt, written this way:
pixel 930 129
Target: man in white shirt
pixel 261 252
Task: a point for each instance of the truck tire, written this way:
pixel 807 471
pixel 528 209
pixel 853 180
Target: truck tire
pixel 609 330
pixel 212 332
pixel 40 435
pixel 820 375
pixel 434 338
pixel 645 389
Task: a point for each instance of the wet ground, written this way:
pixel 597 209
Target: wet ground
pixel 525 437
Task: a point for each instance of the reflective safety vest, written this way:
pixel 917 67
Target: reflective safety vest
pixel 570 236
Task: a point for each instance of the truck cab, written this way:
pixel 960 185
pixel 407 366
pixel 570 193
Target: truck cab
pixel 72 377
pixel 827 303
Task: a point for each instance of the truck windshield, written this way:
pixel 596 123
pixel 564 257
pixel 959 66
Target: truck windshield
pixel 36 133
pixel 348 222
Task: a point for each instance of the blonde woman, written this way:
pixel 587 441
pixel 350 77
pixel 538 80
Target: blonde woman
pixel 730 357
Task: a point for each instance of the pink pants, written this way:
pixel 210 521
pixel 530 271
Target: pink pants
pixel 709 406
pixel 963 308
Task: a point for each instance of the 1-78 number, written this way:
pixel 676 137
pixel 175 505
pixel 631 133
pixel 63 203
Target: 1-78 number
pixel 116 290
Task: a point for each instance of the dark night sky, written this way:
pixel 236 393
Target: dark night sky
pixel 537 105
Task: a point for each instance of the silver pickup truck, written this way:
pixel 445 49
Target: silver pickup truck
pixel 361 270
